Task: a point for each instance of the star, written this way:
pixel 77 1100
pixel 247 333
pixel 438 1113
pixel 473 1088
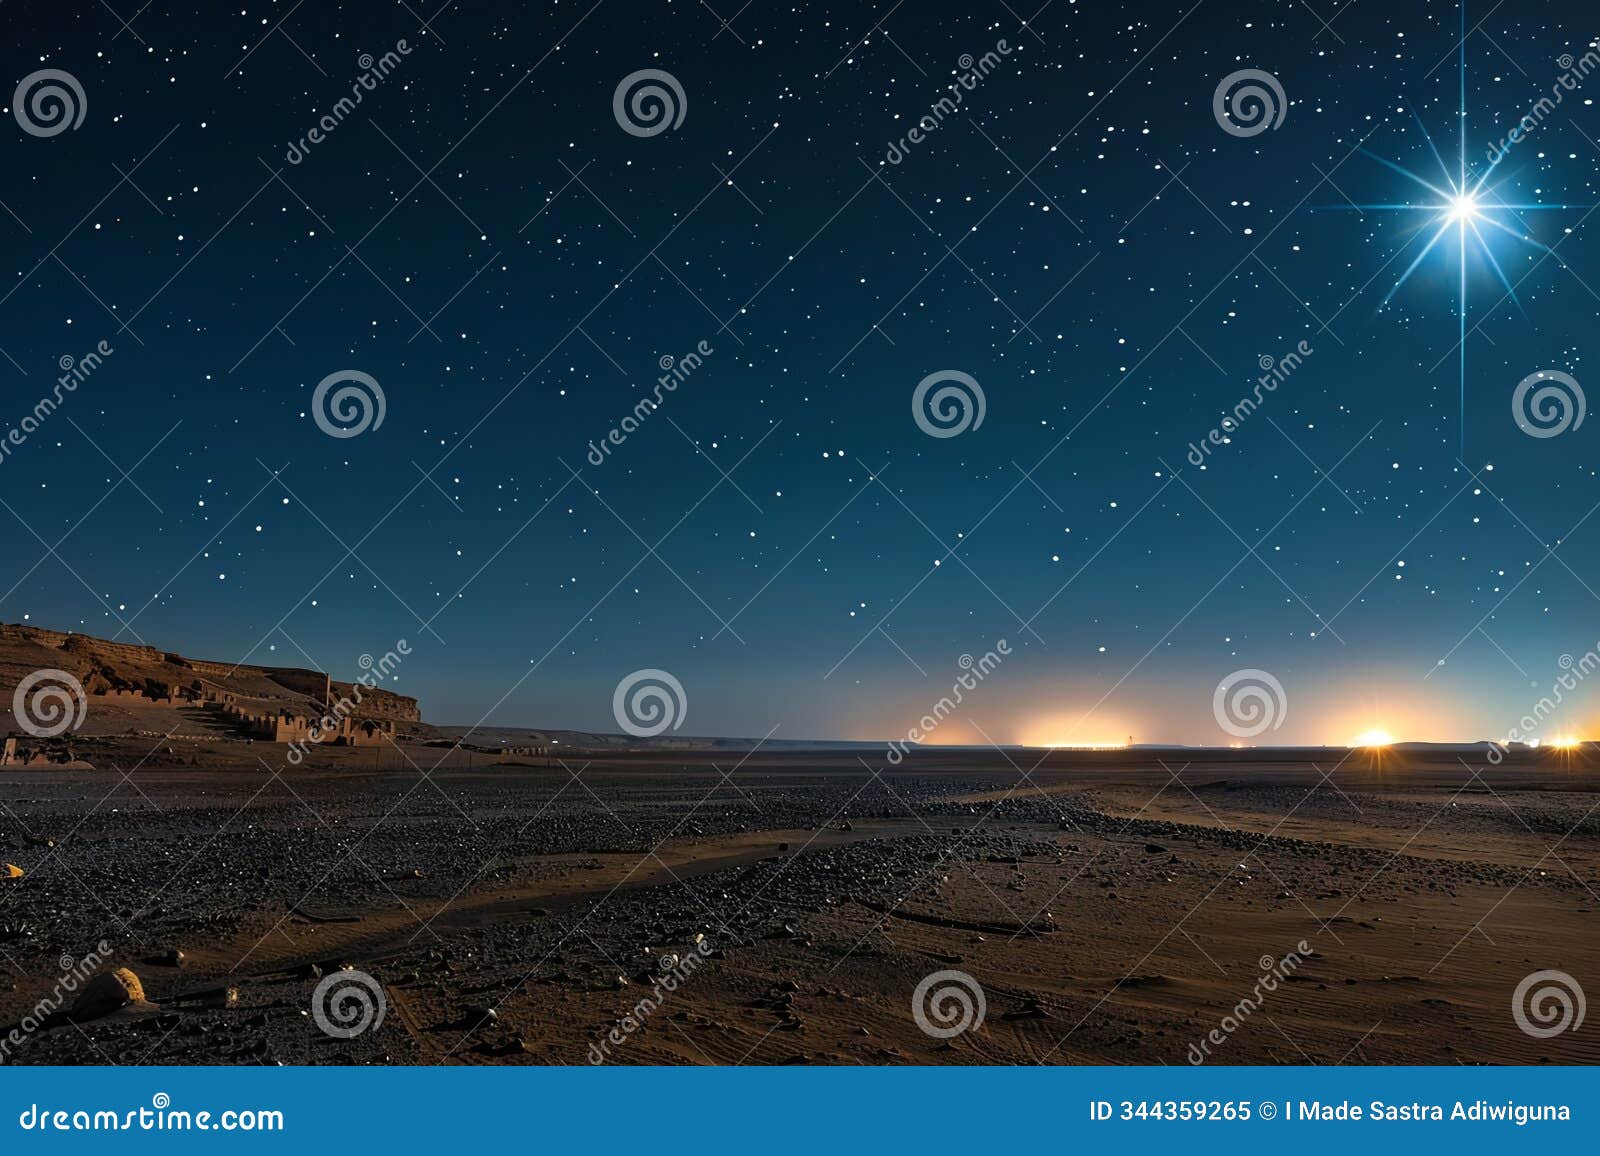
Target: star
pixel 1464 207
pixel 1468 205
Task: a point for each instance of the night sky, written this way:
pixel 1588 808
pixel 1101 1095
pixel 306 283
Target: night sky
pixel 1081 236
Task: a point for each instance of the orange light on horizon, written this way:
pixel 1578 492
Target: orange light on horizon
pixel 1376 737
pixel 1565 742
pixel 1062 731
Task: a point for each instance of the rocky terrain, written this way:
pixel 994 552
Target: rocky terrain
pixel 1108 909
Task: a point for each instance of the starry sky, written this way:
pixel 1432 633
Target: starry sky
pixel 1083 237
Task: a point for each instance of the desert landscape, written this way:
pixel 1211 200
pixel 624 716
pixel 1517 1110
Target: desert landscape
pixel 550 897
pixel 735 535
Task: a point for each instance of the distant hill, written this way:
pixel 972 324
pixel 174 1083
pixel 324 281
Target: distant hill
pixel 488 736
pixel 124 680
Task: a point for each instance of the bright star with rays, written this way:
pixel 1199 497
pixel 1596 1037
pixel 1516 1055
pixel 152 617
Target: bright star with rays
pixel 1465 213
pixel 1470 207
pixel 1466 204
pixel 1463 207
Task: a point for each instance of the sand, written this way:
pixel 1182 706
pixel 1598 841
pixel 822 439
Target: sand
pixel 1110 910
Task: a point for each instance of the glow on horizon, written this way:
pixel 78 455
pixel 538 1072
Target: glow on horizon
pixel 1060 730
pixel 1346 716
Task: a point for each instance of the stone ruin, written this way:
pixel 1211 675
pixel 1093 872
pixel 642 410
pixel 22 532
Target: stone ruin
pixel 287 727
pixel 15 754
pixel 281 726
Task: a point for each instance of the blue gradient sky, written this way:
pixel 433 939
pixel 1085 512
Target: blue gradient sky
pixel 1113 303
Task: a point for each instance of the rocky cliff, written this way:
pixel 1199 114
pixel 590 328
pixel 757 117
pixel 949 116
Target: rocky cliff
pixel 104 666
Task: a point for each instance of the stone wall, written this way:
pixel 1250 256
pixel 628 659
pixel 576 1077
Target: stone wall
pixel 286 727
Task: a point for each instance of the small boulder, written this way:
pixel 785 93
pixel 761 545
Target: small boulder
pixel 108 992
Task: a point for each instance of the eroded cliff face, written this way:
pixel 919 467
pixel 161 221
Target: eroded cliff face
pixel 378 703
pixel 103 666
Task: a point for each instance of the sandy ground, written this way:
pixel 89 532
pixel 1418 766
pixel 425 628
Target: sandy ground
pixel 1110 912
